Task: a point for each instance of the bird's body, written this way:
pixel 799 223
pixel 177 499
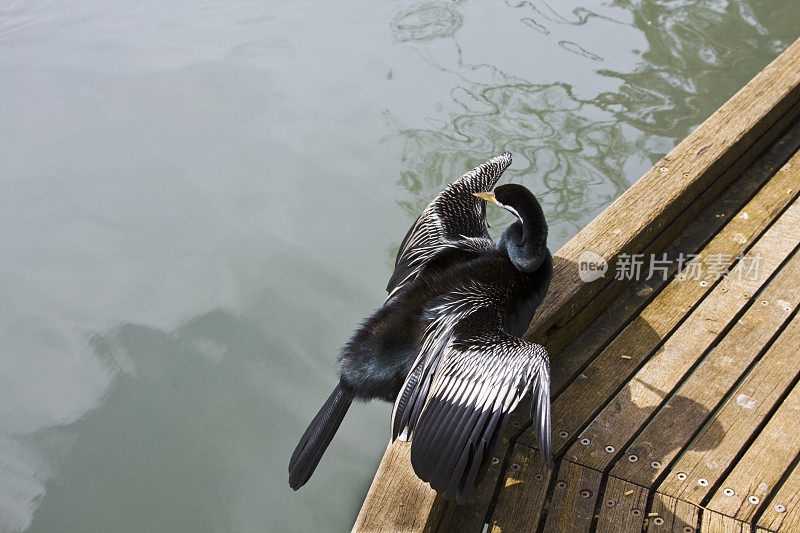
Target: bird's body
pixel 380 354
pixel 445 347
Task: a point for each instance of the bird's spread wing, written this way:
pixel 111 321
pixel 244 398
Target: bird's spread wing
pixel 454 218
pixel 469 377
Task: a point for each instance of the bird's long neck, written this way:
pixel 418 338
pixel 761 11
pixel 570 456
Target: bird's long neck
pixel 525 240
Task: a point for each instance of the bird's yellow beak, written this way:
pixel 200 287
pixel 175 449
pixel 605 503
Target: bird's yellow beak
pixel 488 196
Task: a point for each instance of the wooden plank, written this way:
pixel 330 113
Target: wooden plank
pixel 705 389
pixel 573 500
pixel 609 371
pixel 712 522
pixel 783 511
pixel 565 366
pixel 400 501
pixel 716 447
pixel 756 476
pixel 668 514
pixel 559 336
pixel 623 508
pixel 669 187
pixel 638 400
pixel 521 500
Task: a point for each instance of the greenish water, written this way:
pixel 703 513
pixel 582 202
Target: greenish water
pixel 199 200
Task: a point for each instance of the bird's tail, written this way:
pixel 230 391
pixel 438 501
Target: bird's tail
pixel 318 436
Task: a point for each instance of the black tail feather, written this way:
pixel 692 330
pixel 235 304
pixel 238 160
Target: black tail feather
pixel 318 436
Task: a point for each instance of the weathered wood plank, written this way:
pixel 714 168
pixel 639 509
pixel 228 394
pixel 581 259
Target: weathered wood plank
pixel 717 445
pixel 559 336
pixel 573 500
pixel 397 499
pixel 705 389
pixel 521 500
pixel 623 508
pixel 631 408
pixel 783 510
pixel 669 514
pixel 669 187
pixel 565 364
pixel 712 522
pixel 756 476
pixel 609 371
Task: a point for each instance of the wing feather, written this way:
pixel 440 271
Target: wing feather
pixel 472 375
pixel 455 218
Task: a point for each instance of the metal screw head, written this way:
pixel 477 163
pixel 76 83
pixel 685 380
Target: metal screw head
pixel 611 503
pixel 655 464
pixel 495 460
pixel 658 521
pixel 610 449
pixel 704 284
pixel 729 492
pixel 561 484
pixel 515 467
pixel 780 508
pixel 563 434
pixel 585 493
pixel 702 482
pixel 636 512
pixel 681 476
pixel 633 458
pixel 688 529
pixel 753 499
pixel 538 477
pixel 586 442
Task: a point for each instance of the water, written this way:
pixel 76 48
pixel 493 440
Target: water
pixel 198 201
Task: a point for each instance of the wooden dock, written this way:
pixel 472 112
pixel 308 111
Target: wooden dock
pixel 675 402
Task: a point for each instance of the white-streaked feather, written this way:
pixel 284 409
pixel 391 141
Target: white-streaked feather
pixel 454 219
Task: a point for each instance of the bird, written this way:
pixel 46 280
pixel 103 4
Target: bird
pixel 445 347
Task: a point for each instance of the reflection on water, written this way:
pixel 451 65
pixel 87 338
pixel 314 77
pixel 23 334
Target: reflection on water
pixel 577 147
pixel 197 203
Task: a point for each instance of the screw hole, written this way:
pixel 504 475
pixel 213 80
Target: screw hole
pixel 702 482
pixel 585 493
pixel 658 521
pixel 636 512
pixel 633 458
pixel 610 449
pixel 586 442
pixel 563 434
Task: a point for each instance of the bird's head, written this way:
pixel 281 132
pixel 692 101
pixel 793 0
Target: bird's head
pixel 525 240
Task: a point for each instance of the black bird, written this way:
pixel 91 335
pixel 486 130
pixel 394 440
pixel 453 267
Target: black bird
pixel 445 346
